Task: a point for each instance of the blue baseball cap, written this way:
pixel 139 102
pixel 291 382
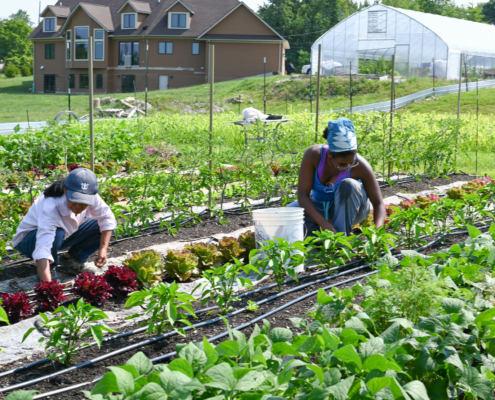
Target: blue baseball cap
pixel 82 186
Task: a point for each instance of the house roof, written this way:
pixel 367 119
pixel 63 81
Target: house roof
pixel 58 11
pixel 180 2
pixel 139 6
pixel 206 14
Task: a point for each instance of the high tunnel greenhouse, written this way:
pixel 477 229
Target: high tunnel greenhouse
pixel 423 44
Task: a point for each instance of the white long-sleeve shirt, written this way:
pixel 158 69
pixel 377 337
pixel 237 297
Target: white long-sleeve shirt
pixel 49 213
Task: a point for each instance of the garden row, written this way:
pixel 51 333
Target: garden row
pixel 422 332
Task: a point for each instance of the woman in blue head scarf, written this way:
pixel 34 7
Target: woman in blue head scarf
pixel 337 185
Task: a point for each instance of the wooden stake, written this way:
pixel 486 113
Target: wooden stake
pixel 318 93
pixel 212 82
pixel 91 114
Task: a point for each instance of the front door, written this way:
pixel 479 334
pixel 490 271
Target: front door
pixel 49 83
pixel 128 83
pixel 163 82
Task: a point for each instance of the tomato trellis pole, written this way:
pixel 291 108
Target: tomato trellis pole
pixel 318 93
pixel 350 83
pixel 477 114
pixel 458 105
pixel 392 100
pixel 212 81
pixel 91 114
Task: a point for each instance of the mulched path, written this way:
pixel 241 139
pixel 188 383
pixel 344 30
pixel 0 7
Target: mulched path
pixel 279 319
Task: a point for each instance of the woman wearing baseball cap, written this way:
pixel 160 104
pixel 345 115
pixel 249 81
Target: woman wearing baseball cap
pixel 336 185
pixel 68 215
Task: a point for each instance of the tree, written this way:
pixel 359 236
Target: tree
pixel 22 15
pixel 13 39
pixel 488 10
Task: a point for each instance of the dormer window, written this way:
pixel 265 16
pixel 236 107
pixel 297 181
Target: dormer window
pixel 49 25
pixel 129 21
pixel 178 20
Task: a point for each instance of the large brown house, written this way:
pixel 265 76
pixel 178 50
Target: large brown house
pixel 169 38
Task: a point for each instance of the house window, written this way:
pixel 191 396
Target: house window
pixel 99 45
pixel 81 42
pixel 49 51
pixel 99 81
pixel 49 24
pixel 165 48
pixel 195 48
pixel 129 21
pixel 129 49
pixel 178 20
pixel 72 81
pixel 83 81
pixel 68 38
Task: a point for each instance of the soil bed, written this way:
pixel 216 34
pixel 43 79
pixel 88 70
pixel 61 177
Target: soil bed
pixel 280 319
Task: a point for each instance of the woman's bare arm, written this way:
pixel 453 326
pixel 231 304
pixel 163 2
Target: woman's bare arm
pixel 373 191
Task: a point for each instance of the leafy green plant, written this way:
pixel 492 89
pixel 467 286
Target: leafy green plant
pixel 280 258
pixel 207 254
pixel 148 265
pixel 181 264
pixel 252 306
pixel 456 193
pixel 230 248
pixel 248 242
pixel 163 302
pixel 220 284
pixel 329 248
pixel 411 223
pixel 473 208
pixel 372 242
pixel 69 328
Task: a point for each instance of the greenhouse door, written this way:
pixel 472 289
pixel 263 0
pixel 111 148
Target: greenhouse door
pixel 402 59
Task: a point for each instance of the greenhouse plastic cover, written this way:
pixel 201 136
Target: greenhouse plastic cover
pixel 469 37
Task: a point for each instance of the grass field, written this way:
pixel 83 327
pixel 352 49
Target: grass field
pixel 284 96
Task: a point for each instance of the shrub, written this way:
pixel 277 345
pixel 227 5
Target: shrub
pixel 207 254
pixel 49 295
pixel 121 279
pixel 17 306
pixel 93 288
pixel 11 71
pixel 181 264
pixel 230 249
pixel 26 71
pixel 148 265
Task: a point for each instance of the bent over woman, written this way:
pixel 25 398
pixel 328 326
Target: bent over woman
pixel 336 184
pixel 68 215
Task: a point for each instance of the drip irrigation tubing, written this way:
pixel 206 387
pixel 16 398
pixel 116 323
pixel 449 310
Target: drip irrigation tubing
pixel 208 322
pixel 143 329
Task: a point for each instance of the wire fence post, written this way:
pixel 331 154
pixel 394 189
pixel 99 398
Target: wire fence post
pixel 477 115
pixel 311 90
pixel 350 82
pixel 458 105
pixel 29 125
pixel 69 57
pixel 91 113
pixel 146 92
pixel 392 101
pixel 318 93
pixel 212 82
pixel 264 85
pixel 433 73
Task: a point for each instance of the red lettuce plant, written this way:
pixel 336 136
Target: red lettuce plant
pixel 406 204
pixel 49 295
pixel 17 306
pixel 93 288
pixel 433 197
pixel 121 279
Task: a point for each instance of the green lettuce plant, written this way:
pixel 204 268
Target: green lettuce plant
pixel 230 248
pixel 207 254
pixel 248 242
pixel 181 264
pixel 148 265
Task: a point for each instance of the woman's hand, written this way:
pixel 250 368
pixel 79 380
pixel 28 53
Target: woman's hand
pixel 102 258
pixel 327 226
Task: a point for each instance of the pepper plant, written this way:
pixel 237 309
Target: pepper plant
pixel 372 242
pixel 330 249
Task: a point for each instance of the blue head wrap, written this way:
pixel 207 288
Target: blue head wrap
pixel 341 136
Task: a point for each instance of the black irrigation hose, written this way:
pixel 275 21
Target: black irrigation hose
pixel 201 324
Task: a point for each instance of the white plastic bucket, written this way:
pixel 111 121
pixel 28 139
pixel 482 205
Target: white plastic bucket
pixel 284 222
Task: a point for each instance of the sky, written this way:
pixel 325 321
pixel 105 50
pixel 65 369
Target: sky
pixel 9 7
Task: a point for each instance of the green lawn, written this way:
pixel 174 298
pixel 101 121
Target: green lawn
pixel 284 96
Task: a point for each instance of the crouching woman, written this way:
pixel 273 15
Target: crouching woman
pixel 68 215
pixel 336 184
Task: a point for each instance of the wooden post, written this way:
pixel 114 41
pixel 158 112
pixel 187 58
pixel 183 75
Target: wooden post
pixel 212 82
pixel 392 104
pixel 458 105
pixel 318 93
pixel 91 114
